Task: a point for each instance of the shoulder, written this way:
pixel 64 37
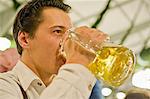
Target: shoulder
pixel 8 84
pixel 8 77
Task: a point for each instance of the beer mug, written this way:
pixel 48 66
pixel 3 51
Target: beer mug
pixel 113 63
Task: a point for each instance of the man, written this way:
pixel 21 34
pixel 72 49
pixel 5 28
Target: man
pixel 39 28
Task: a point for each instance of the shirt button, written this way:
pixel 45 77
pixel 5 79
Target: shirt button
pixel 90 87
pixel 40 84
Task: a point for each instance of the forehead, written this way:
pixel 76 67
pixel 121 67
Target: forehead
pixel 56 17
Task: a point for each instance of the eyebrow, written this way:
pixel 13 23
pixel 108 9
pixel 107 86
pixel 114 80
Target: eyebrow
pixel 56 27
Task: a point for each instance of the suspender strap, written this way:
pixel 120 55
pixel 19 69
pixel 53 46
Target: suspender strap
pixel 23 92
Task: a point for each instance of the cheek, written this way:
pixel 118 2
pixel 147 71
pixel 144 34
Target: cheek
pixel 45 46
pixel 49 49
pixel 53 46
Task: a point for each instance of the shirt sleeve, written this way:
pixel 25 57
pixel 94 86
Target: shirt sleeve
pixel 8 90
pixel 74 81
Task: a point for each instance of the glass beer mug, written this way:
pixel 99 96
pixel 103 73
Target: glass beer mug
pixel 113 63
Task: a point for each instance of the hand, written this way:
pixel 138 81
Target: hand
pixel 8 59
pixel 75 53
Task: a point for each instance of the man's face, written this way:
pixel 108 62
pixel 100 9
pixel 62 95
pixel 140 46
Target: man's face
pixel 43 48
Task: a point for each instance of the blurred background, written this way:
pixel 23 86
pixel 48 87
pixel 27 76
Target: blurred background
pixel 126 21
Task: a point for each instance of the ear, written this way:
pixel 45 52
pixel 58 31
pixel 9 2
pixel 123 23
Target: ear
pixel 23 39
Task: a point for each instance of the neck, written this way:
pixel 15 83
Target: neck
pixel 41 73
pixel 45 77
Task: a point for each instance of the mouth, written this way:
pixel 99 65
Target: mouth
pixel 60 59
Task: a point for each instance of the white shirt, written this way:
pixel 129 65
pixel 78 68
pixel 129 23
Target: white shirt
pixel 73 81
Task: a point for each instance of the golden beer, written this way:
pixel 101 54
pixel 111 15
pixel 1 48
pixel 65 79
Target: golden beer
pixel 113 64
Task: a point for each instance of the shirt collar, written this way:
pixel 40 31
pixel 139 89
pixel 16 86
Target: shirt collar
pixel 25 75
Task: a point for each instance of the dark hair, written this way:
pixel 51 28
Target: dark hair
pixel 29 17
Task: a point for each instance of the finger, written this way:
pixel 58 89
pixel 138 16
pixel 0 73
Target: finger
pixel 83 33
pixel 103 37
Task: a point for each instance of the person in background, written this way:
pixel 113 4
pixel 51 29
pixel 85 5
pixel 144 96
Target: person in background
pixel 42 71
pixel 138 93
pixel 8 59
